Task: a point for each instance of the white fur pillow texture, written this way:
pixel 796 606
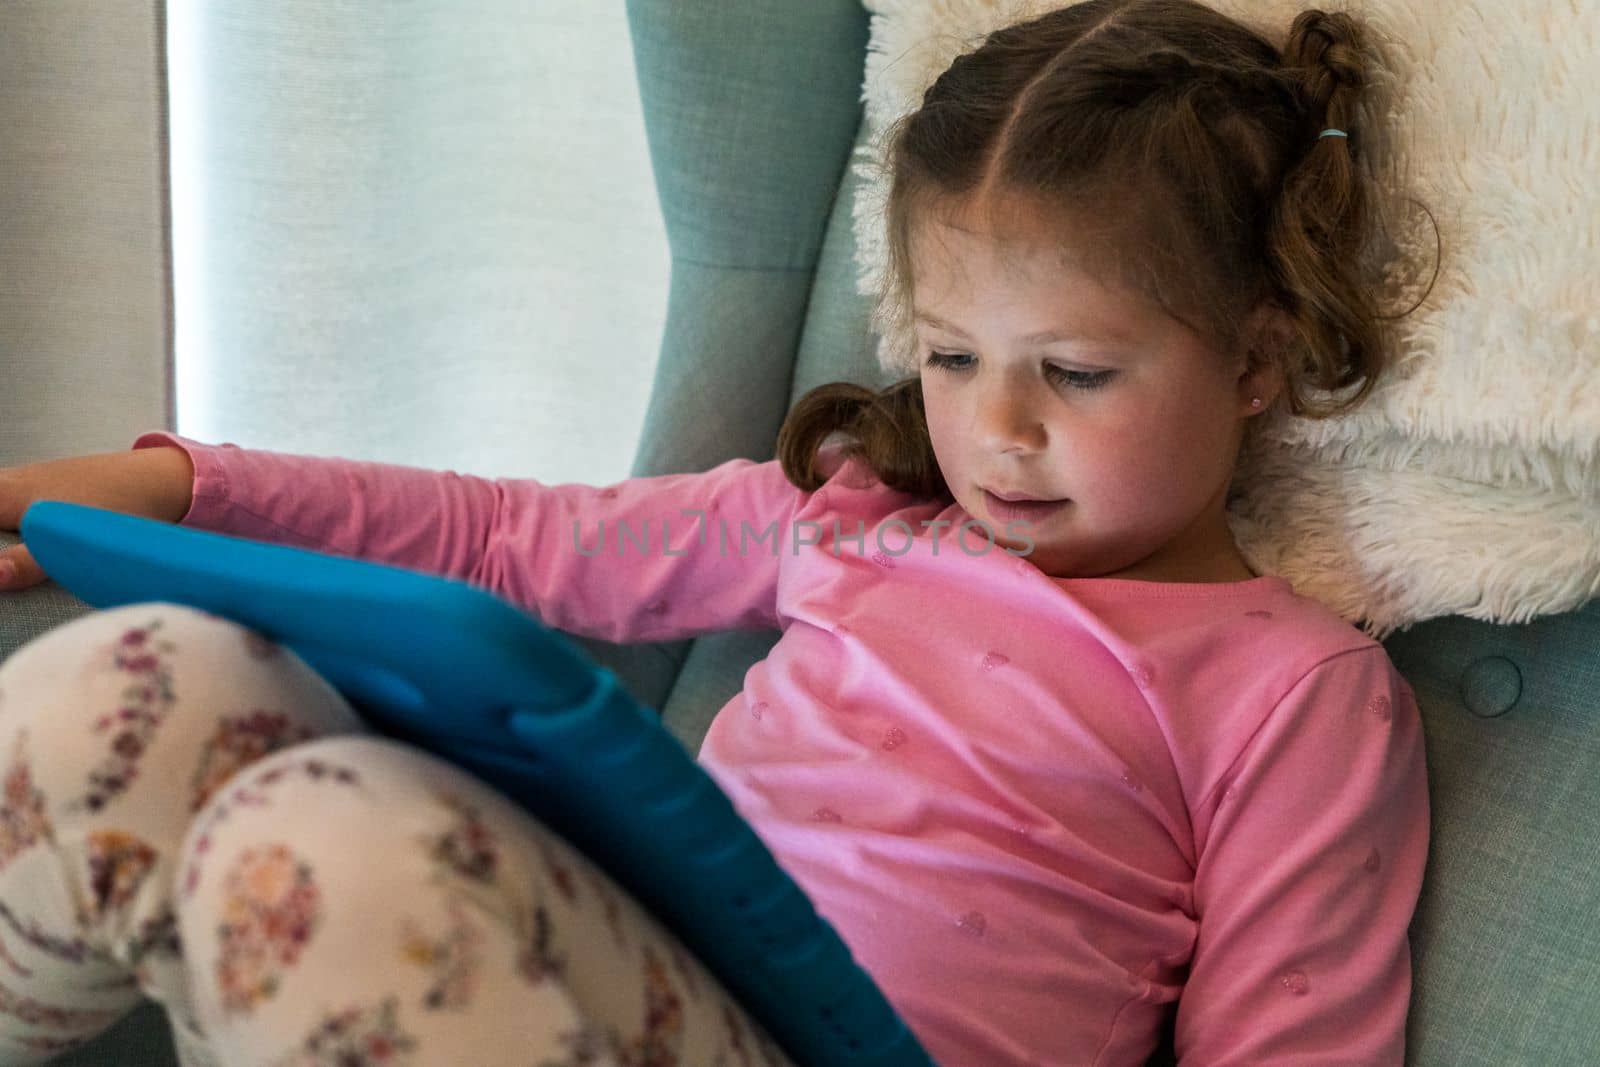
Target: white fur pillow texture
pixel 1468 482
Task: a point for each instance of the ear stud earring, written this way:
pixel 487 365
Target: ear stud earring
pixel 1255 401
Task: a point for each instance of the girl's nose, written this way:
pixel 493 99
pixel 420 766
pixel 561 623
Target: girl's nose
pixel 1006 421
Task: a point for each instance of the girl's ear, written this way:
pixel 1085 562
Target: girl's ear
pixel 1269 332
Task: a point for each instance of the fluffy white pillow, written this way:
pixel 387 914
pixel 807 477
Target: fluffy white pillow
pixel 1468 482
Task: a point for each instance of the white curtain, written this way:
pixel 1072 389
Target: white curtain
pixel 414 232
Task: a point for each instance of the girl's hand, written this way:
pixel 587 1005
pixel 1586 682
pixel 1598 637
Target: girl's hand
pixel 153 483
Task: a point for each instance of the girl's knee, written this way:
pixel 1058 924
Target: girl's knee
pixel 362 818
pixel 350 797
pixel 331 859
pixel 157 690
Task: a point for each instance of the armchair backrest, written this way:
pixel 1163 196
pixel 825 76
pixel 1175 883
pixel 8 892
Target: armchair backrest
pixel 752 112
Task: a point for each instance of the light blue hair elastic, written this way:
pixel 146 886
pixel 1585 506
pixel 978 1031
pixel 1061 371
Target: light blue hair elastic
pixel 1331 133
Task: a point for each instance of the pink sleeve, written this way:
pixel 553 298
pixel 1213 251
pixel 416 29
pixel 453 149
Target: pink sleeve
pixel 1312 847
pixel 536 545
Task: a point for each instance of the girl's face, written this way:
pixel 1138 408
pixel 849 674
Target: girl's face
pixel 1129 417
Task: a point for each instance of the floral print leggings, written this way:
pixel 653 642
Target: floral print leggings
pixel 191 813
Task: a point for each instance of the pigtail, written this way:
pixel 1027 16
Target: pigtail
pixel 888 428
pixel 1323 220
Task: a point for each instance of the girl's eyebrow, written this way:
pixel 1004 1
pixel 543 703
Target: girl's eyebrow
pixel 1039 338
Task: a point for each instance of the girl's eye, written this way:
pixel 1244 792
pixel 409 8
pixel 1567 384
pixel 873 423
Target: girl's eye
pixel 1078 379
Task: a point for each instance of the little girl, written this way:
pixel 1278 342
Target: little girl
pixel 1063 771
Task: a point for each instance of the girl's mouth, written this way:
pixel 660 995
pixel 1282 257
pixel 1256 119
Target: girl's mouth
pixel 1022 510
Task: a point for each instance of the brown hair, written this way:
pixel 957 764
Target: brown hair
pixel 1179 153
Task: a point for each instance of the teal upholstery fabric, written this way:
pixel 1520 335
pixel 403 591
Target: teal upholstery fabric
pixel 750 110
pixel 1506 939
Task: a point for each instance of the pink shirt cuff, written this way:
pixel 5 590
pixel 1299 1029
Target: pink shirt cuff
pixel 210 500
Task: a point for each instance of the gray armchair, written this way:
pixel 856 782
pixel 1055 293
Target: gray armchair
pixel 752 110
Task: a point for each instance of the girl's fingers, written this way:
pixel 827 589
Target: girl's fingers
pixel 18 569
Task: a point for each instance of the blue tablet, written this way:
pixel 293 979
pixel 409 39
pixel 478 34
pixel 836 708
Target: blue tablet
pixel 474 679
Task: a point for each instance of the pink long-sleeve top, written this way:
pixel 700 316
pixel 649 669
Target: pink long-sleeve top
pixel 1043 813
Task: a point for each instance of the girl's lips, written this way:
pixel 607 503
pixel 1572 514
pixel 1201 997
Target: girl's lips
pixel 1028 511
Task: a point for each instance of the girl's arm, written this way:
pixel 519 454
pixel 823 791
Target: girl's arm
pixel 1312 847
pixel 661 572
